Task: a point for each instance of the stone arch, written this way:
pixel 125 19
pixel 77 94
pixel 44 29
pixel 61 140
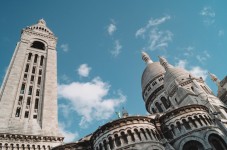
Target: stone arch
pixel 137 133
pixel 192 138
pixel 149 133
pixel 124 137
pixel 129 132
pixel 192 121
pixel 42 45
pixel 215 132
pixel 143 133
pixel 111 142
pixel 217 142
pixel 186 124
pixel 193 145
pixel 117 140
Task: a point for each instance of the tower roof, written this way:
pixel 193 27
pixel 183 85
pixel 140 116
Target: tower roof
pixel 40 27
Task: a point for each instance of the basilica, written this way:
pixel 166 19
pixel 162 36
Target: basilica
pixel 184 113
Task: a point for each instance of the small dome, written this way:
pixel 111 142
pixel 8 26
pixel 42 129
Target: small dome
pixel 152 71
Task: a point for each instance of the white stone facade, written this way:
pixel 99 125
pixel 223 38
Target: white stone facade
pixel 28 97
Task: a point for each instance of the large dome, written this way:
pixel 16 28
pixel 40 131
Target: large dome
pixel 151 71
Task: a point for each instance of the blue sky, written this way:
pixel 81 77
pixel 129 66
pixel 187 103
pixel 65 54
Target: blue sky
pixel 99 50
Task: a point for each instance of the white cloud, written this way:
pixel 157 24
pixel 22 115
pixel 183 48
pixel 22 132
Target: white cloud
pixel 65 78
pixel 151 23
pixel 202 58
pixel 84 70
pixel 221 32
pixel 208 15
pixel 194 70
pixel 69 136
pixel 157 39
pixel 111 28
pixel 188 51
pixel 65 47
pixel 117 49
pixel 91 100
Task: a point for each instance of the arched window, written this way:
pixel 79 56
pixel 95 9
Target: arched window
pixel 166 102
pixel 117 140
pixel 131 135
pixel 158 107
pixel 38 45
pixel 186 124
pixel 193 145
pixel 217 142
pixel 111 142
pixel 124 137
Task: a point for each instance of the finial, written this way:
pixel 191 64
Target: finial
pixel 146 58
pixel 214 78
pixel 124 113
pixel 164 62
pixel 42 21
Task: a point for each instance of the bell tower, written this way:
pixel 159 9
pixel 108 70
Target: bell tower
pixel 28 96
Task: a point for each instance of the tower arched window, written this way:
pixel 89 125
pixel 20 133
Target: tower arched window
pixel 29 56
pixel 36 58
pixel 41 60
pixel 27 67
pixel 158 107
pixel 165 102
pixel 38 45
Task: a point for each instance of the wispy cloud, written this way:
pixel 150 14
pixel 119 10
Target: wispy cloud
pixel 188 51
pixel 84 70
pixel 221 33
pixel 117 48
pixel 111 27
pixel 65 47
pixel 91 101
pixel 69 136
pixel 208 15
pixel 64 78
pixel 203 57
pixel 194 70
pixel 157 39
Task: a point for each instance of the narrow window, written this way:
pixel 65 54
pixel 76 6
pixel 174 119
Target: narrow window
pixel 29 56
pixel 39 80
pixel 27 68
pixel 40 71
pixel 33 70
pixel 166 102
pixel 30 90
pixel 25 76
pixel 26 114
pixel 158 107
pixel 41 61
pixel 22 89
pixel 36 103
pixel 18 112
pixel 37 92
pixel 32 78
pixel 28 100
pixel 36 57
pixel 20 100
